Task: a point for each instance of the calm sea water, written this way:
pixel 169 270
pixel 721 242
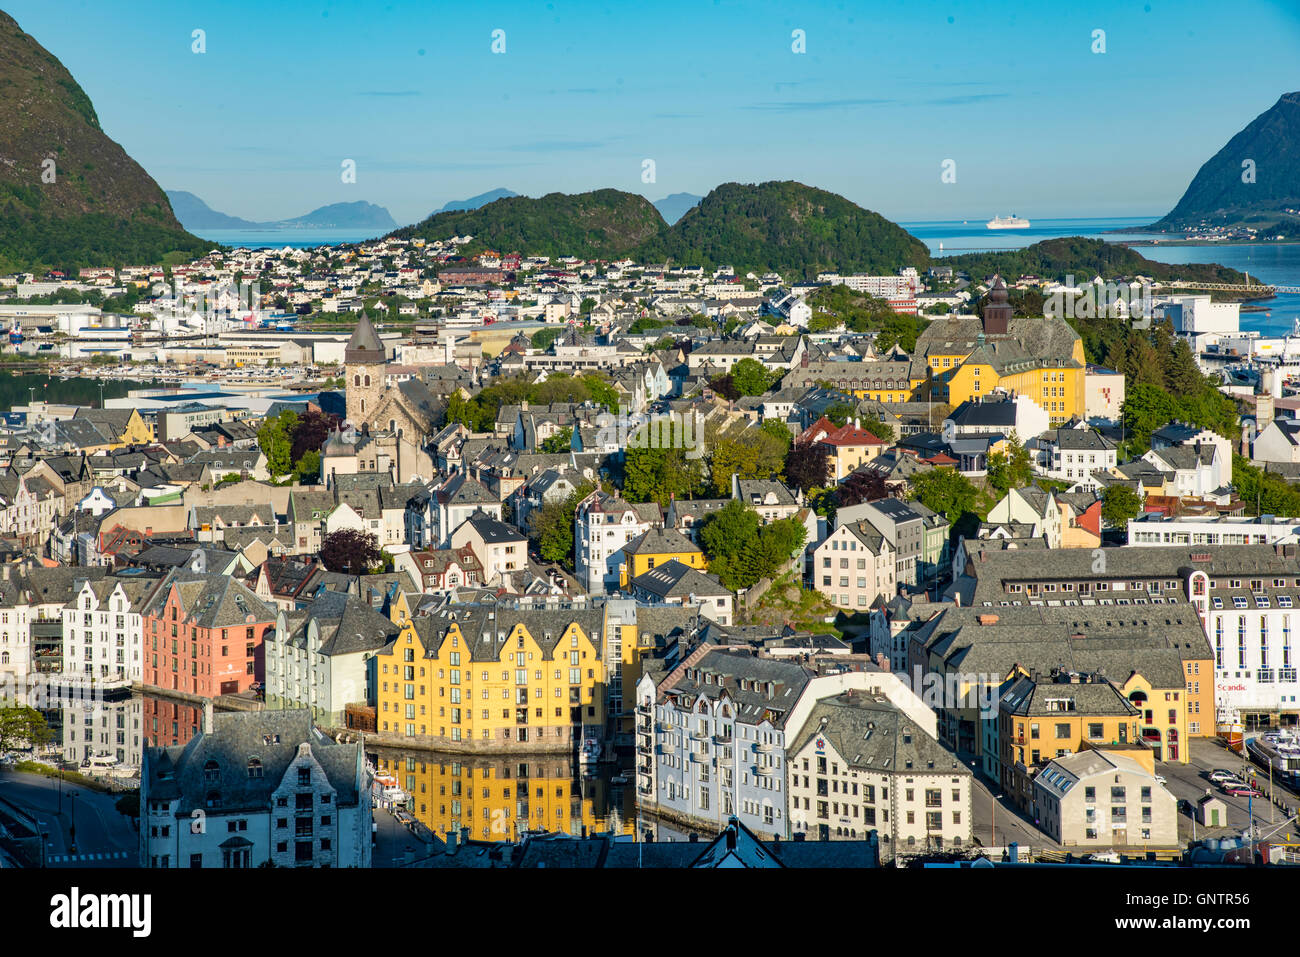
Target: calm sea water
pixel 954 236
pixel 294 238
pixel 1271 263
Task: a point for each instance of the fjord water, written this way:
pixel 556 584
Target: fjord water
pixel 1274 263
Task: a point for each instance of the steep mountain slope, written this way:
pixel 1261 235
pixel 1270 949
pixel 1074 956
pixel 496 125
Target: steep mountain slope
pixel 1264 192
pixel 69 195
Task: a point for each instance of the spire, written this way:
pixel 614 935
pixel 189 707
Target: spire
pixel 997 310
pixel 364 346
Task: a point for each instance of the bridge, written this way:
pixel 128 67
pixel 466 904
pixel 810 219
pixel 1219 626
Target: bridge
pixel 1248 286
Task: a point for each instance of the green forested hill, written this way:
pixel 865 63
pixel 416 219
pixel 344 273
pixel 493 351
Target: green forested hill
pixel 1082 258
pixel 787 227
pixel 602 224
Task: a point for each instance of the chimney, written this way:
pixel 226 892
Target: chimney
pixel 207 717
pixel 451 842
pixel 987 619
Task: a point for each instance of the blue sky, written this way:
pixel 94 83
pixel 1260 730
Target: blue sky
pixel 1036 123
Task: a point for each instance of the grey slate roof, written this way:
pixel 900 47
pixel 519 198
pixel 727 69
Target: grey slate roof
pixel 218 762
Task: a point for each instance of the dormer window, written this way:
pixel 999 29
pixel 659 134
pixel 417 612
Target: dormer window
pixel 211 772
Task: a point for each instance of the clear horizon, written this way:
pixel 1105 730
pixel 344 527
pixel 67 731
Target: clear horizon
pixel 259 124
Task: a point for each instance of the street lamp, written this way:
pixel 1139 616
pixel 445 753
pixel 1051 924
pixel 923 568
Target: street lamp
pixel 72 803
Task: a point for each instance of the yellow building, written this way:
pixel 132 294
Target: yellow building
pixel 968 356
pixel 119 428
pixel 1040 719
pixel 498 798
pixel 656 547
pixel 485 677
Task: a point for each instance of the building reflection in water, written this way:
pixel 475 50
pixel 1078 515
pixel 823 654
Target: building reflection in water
pixel 500 797
pixel 168 722
pixel 101 733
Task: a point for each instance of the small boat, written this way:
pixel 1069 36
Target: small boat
pixel 590 751
pixel 619 779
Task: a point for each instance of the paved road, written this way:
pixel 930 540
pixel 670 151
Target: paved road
pixel 104 838
pixel 1010 825
pixel 1190 782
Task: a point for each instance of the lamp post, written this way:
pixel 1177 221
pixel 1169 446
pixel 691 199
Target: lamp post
pixel 72 804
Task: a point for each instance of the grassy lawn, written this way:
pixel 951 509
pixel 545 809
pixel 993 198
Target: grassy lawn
pixel 72 777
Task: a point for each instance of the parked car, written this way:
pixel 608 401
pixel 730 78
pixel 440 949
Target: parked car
pixel 1220 775
pixel 1160 779
pixel 1237 789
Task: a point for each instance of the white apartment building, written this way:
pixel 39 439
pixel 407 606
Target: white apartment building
pixel 711 737
pixel 103 732
pixel 1154 528
pixel 602 525
pixel 860 764
pixel 103 633
pixel 853 566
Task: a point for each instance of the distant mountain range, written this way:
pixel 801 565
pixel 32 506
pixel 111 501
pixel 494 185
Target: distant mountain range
pixel 783 226
pixel 69 195
pixel 195 215
pixel 474 202
pixel 674 206
pixel 1253 181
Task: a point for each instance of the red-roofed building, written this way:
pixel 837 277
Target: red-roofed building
pixel 849 445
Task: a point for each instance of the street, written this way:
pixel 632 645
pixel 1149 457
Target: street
pixel 1191 781
pixel 104 837
pixel 1009 824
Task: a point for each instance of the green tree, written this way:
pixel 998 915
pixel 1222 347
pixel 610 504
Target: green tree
pixel 839 413
pixel 945 491
pixel 551 526
pixel 1119 503
pixel 307 468
pixel 879 429
pixel 559 443
pixel 751 377
pixel 752 454
pixel 275 438
pixel 741 550
pixel 1010 469
pixel 21 726
pixel 656 466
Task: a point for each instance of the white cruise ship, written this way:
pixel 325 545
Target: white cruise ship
pixel 1007 222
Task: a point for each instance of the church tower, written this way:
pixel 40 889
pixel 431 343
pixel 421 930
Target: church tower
pixel 997 311
pixel 364 360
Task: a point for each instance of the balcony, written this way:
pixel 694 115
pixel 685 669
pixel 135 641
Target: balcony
pixel 698 758
pixel 722 737
pixel 699 735
pixel 764 748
